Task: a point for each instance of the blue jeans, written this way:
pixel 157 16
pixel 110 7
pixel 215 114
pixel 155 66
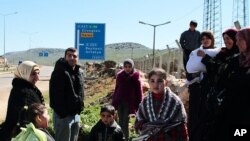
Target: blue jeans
pixel 67 128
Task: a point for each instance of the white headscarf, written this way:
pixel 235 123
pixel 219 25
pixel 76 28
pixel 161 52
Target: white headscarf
pixel 24 70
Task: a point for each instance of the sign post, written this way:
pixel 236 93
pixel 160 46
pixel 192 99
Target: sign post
pixel 90 41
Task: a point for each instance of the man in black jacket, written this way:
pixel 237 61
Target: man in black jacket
pixel 66 96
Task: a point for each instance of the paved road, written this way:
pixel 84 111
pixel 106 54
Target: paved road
pixel 5 87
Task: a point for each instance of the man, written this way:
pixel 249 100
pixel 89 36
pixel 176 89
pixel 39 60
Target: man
pixel 189 40
pixel 66 96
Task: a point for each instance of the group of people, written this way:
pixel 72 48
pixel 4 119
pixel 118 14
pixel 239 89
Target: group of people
pixel 219 87
pixel 159 116
pixel 218 97
pixel 26 106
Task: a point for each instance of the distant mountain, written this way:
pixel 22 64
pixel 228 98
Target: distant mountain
pixel 116 52
pixel 120 51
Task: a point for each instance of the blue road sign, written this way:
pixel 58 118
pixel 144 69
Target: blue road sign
pixel 40 54
pixel 90 40
pixel 45 54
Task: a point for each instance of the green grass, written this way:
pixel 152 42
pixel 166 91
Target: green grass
pixel 89 117
pixel 46 96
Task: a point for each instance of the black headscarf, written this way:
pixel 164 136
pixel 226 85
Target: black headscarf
pixel 225 52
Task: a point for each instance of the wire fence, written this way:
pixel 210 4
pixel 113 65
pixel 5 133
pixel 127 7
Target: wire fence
pixel 171 61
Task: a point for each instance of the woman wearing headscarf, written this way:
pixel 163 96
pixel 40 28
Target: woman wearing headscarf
pixel 236 101
pixel 213 63
pixel 127 95
pixel 23 93
pixel 197 115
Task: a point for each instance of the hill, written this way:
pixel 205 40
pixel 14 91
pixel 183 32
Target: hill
pixel 117 52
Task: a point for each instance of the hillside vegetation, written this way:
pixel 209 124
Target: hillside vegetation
pixel 117 52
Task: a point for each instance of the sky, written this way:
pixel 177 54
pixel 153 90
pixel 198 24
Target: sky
pixel 51 23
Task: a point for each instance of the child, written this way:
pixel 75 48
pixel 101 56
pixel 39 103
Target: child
pixel 127 95
pixel 161 114
pixel 38 118
pixel 106 128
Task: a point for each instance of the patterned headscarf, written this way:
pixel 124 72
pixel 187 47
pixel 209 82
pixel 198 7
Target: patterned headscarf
pixel 24 70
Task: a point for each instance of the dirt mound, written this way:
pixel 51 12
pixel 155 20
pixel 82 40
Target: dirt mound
pixel 100 90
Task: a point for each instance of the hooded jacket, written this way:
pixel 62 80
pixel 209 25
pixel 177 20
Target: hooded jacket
pixel 66 89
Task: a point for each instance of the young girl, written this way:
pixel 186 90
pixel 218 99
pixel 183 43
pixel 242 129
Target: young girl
pixel 37 123
pixel 161 114
pixel 38 115
pixel 127 95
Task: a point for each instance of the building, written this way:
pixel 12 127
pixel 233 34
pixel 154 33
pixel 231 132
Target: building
pixel 2 61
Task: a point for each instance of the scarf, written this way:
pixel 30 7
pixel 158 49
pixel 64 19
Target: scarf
pixel 24 70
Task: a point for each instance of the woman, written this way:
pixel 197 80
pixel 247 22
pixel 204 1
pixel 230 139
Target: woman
pixel 241 86
pixel 212 63
pixel 127 95
pixel 161 114
pixel 197 117
pixel 23 93
pixel 236 105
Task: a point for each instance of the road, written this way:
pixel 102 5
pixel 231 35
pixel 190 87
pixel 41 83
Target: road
pixel 5 87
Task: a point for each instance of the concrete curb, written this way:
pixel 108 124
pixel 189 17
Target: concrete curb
pixel 6 72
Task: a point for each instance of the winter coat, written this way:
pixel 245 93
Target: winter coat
pixel 233 111
pixel 101 132
pixel 128 90
pixel 66 89
pixel 23 93
pixel 213 64
pixel 219 70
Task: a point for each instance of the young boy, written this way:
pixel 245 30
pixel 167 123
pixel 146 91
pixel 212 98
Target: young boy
pixel 106 129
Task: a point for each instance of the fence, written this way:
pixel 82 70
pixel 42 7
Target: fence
pixel 171 62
